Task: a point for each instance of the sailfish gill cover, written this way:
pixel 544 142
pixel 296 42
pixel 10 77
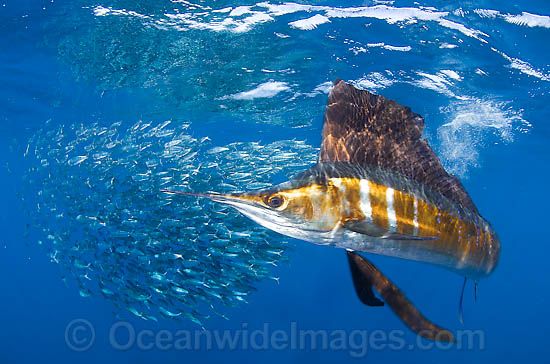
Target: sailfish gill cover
pixel 94 195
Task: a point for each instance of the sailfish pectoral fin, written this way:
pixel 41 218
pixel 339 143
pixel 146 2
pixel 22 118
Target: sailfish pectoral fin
pixel 402 307
pixel 371 229
pixel 362 284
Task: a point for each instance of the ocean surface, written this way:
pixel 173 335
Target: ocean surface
pixel 103 103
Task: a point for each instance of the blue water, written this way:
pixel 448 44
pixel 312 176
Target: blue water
pixel 477 71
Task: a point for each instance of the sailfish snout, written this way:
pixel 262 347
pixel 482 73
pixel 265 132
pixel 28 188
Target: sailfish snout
pixel 217 197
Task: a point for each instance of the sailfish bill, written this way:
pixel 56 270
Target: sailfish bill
pixel 378 188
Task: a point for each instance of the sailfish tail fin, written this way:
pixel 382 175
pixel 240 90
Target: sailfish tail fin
pixel 366 275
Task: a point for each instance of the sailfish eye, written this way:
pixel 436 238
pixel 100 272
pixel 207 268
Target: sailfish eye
pixel 275 201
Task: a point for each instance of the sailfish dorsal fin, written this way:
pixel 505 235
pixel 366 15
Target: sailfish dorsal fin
pixel 364 128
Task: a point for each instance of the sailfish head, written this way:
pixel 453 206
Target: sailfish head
pixel 298 209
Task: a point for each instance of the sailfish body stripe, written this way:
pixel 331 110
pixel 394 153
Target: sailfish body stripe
pixel 415 220
pixel 379 204
pixel 392 219
pixel 364 194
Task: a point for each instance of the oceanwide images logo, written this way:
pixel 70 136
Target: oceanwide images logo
pixel 80 336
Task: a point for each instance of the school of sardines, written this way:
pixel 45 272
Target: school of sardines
pixel 93 195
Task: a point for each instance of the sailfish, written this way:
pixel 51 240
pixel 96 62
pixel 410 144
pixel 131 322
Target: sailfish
pixel 377 188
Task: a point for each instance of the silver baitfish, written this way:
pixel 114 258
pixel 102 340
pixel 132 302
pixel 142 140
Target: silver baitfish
pixel 92 192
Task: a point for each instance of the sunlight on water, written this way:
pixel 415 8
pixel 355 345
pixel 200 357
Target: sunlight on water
pixel 277 49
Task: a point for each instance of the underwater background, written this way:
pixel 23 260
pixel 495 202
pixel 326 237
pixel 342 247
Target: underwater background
pixel 103 103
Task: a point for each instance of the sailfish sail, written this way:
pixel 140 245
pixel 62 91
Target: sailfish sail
pixel 363 129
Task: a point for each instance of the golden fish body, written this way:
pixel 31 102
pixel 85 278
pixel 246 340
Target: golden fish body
pixel 371 210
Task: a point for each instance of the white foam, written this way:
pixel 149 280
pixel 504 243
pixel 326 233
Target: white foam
pixel 224 10
pixel 281 35
pixel 525 19
pixel 246 24
pixel 240 10
pixel 528 19
pixel 486 13
pixel 526 68
pixel 463 29
pixel 387 13
pixel 481 72
pixel 309 23
pixel 264 90
pixel 101 11
pixel 437 82
pixel 459 12
pixel 447 45
pixel 265 11
pixel 451 74
pixel 227 24
pixel 175 21
pixel 523 67
pixel 397 48
pixel 288 8
pixel 471 122
pixel 323 88
pixel 372 82
pixel 358 50
pixel 191 5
